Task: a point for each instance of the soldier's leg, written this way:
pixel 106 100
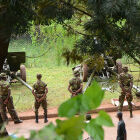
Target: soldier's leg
pixel 3 133
pixel 44 105
pixel 129 98
pixel 121 101
pixel 37 105
pixel 12 111
pixel 3 111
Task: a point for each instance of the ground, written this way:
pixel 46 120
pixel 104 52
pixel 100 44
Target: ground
pixel 132 127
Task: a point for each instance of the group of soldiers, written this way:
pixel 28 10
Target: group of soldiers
pixel 125 81
pixel 40 91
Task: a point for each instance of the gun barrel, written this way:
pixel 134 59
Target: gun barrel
pixel 23 82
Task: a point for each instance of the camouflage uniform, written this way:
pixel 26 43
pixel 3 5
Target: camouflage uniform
pixel 39 88
pixel 4 88
pixel 75 83
pixel 125 80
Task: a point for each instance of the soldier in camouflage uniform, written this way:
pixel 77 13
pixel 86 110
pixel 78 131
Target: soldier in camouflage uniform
pixel 75 84
pixel 6 101
pixel 126 84
pixel 40 91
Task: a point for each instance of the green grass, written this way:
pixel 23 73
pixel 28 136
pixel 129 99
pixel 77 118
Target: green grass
pixel 57 80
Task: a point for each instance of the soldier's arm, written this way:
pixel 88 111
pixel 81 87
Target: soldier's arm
pixel 120 83
pixel 33 92
pixel 131 82
pixel 69 89
pixel 44 96
pixel 9 93
pixel 80 89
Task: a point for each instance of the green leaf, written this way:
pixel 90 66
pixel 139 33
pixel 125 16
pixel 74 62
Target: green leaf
pixel 94 130
pixel 82 103
pixel 70 107
pixel 92 98
pixel 104 119
pixel 71 129
pixel 47 133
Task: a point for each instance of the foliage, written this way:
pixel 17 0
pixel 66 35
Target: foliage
pixel 107 27
pixel 72 127
pixel 43 45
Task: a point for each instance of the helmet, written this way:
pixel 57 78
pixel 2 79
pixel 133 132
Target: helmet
pixel 76 73
pixel 3 75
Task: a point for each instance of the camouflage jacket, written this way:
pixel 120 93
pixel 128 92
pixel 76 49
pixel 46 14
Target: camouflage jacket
pixel 4 87
pixel 125 79
pixel 75 83
pixel 39 87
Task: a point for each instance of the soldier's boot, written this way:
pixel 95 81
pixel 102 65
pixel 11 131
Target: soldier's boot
pixel 15 117
pixel 18 121
pixel 131 114
pixel 36 117
pixel 45 118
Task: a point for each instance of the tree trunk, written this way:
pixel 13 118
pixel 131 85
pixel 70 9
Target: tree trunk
pixel 4 43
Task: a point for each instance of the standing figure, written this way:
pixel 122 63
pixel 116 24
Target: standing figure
pixel 40 91
pixel 6 101
pixel 121 131
pixel 75 84
pixel 126 84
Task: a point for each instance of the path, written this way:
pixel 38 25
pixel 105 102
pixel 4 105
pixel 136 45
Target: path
pixel 132 126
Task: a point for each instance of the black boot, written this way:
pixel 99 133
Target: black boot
pixel 36 118
pixel 45 118
pixel 18 121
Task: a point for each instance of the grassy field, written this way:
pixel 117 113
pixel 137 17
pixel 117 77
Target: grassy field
pixel 57 79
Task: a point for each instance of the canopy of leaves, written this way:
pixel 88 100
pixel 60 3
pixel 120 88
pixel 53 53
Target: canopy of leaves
pixel 107 26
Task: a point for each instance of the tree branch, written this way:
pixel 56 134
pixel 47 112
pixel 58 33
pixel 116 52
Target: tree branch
pixel 77 9
pixel 75 30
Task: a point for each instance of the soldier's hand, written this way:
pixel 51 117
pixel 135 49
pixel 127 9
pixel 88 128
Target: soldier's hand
pixel 37 99
pixel 128 94
pixel 6 101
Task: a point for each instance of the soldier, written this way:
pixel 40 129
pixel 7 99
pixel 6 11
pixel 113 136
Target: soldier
pixel 75 84
pixel 6 101
pixel 126 84
pixel 40 91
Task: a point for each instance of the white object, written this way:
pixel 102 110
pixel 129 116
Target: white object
pixel 115 102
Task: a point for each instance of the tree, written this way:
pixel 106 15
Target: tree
pixel 16 17
pixel 113 24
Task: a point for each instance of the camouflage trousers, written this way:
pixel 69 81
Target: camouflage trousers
pixel 43 104
pixel 129 99
pixel 10 107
